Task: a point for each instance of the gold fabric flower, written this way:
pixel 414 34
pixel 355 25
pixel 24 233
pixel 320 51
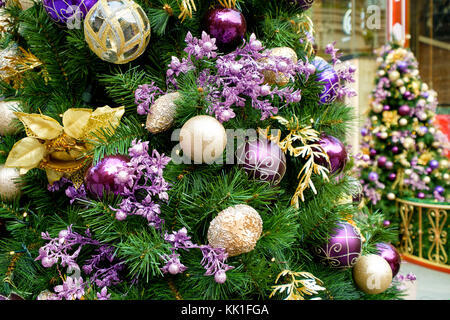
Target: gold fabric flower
pixel 62 151
pixel 390 118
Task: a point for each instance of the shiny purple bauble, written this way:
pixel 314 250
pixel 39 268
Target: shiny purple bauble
pixel 395 149
pixel 386 223
pixel 262 160
pixel 434 164
pixel 421 195
pixel 389 165
pixel 63 10
pixel 440 190
pixel 391 255
pixel 392 176
pixel 303 4
pixel 364 132
pixel 381 161
pixel 100 178
pixel 336 152
pixel 373 152
pixel 404 110
pixel 227 26
pixel 373 176
pixel 402 66
pixel 428 170
pixel 343 248
pixel 328 77
pixel 386 108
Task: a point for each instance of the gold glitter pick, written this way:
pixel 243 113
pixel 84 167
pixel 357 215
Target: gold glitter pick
pixel 305 26
pixel 186 7
pixel 296 289
pixel 310 150
pixel 61 150
pixel 228 3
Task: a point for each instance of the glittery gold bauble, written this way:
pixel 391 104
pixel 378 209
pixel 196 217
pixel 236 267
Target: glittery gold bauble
pixel 7 116
pixel 280 79
pixel 236 229
pixel 117 31
pixel 162 113
pixel 372 274
pixel 203 139
pixel 9 187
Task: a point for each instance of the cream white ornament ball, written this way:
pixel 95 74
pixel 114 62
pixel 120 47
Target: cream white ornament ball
pixel 381 73
pixel 162 113
pixel 203 139
pixel 425 87
pixel 9 187
pixel 444 164
pixel 427 179
pixel 402 90
pixel 408 142
pixel 408 172
pixel 7 117
pixel 403 122
pixel 391 196
pixel 372 274
pixel 236 229
pixel 384 135
pixel 399 83
pixel 394 75
pixel 446 177
pixel 377 107
pixel 117 31
pixel 374 119
pixel 432 130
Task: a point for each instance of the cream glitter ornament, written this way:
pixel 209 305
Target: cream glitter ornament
pixel 7 117
pixel 394 75
pixel 203 139
pixel 403 122
pixel 9 188
pixel 236 229
pixel 372 274
pixel 391 196
pixel 162 113
pixel 377 107
pixel 117 31
pixel 280 79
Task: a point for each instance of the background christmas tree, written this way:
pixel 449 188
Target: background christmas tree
pixel 99 209
pixel 404 151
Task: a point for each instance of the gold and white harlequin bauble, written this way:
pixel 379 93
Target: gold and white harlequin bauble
pixel 117 31
pixel 7 117
pixel 9 187
pixel 372 274
pixel 162 113
pixel 203 139
pixel 279 78
pixel 236 229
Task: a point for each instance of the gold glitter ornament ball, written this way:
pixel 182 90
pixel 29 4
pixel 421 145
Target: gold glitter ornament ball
pixel 117 31
pixel 203 139
pixel 372 274
pixel 280 79
pixel 162 113
pixel 236 229
pixel 9 187
pixel 7 117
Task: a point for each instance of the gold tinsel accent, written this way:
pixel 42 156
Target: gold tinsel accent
pixel 296 289
pixel 228 3
pixel 309 150
pixel 305 26
pixel 186 7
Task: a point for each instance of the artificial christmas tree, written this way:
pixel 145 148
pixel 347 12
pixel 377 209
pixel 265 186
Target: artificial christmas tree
pixel 404 152
pixel 109 210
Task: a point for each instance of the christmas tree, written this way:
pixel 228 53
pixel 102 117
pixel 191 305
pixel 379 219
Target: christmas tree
pixel 404 152
pixel 180 150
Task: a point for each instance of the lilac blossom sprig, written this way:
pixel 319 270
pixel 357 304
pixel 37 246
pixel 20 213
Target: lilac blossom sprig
pixel 143 182
pixel 213 258
pixel 104 276
pixel 345 71
pixel 71 191
pixel 145 95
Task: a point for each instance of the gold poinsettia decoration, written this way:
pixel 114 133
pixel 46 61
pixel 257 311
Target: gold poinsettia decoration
pixel 390 118
pixel 62 151
pixel 296 289
pixel 309 149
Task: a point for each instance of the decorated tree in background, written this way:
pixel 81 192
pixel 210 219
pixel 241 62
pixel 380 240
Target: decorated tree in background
pixel 404 153
pixel 180 150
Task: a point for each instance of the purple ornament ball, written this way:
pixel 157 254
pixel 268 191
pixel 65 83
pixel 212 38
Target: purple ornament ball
pixel 373 176
pixel 343 248
pixel 395 149
pixel 64 11
pixel 391 255
pixel 336 152
pixel 328 77
pixel 421 195
pixel 303 4
pixel 386 108
pixel 373 152
pixel 402 66
pixel 434 164
pixel 440 190
pixel 404 110
pixel 262 160
pixel 392 176
pixel 386 223
pixel 428 170
pixel 381 161
pixel 227 26
pixel 364 132
pixel 102 177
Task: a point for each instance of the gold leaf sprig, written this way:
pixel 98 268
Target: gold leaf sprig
pixel 187 7
pixel 297 289
pixel 305 26
pixel 228 3
pixel 309 149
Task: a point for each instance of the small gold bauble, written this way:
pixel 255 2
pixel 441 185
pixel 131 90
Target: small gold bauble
pixel 7 117
pixel 162 113
pixel 280 79
pixel 117 31
pixel 9 187
pixel 203 139
pixel 236 229
pixel 372 274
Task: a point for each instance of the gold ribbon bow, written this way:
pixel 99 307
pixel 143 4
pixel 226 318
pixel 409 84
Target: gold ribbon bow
pixel 62 151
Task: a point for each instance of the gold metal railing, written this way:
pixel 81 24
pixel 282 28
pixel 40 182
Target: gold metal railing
pixel 423 233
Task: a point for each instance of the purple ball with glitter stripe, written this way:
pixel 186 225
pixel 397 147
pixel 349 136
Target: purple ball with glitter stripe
pixel 329 79
pixel 68 11
pixel 343 248
pixel 303 4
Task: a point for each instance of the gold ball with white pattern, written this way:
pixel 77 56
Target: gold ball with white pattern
pixel 372 274
pixel 7 117
pixel 117 31
pixel 162 113
pixel 237 229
